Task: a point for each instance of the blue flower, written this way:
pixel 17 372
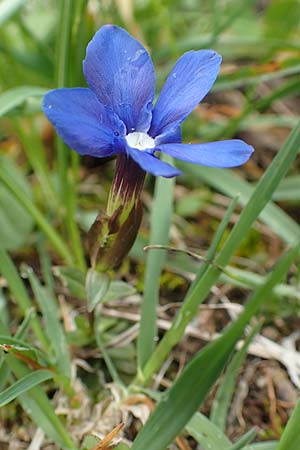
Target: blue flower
pixel 115 114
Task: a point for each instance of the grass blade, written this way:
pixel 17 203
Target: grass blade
pixel 16 285
pixel 8 8
pixel 229 183
pixel 53 327
pixel 259 199
pixel 67 183
pixel 180 402
pixel 23 385
pixel 16 96
pixel 215 242
pixel 290 440
pixel 41 221
pixel 161 215
pixel 38 407
pixel 244 440
pixel 221 403
pixel 208 435
pixel 262 446
pixel 15 223
pixel 108 361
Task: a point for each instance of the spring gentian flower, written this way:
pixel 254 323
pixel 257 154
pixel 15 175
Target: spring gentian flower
pixel 114 115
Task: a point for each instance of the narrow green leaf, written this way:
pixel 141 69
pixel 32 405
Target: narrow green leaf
pixel 8 8
pixel 180 402
pixel 23 385
pixel 4 313
pixel 244 440
pixel 16 286
pixel 229 183
pixel 97 284
pixel 118 289
pixel 234 276
pixel 36 214
pixel 197 294
pixel 15 222
pixel 288 190
pixel 53 327
pixel 39 408
pixel 73 279
pixel 65 159
pixel 161 216
pixel 222 399
pixel 33 146
pixel 4 369
pixel 23 327
pixel 108 361
pixel 290 440
pixel 16 96
pixel 16 345
pixel 252 75
pixel 215 242
pixel 262 446
pixel 208 435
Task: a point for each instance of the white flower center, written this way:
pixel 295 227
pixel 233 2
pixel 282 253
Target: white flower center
pixel 141 141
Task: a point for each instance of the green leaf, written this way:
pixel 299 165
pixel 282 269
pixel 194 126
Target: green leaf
pixel 244 440
pixel 43 222
pixel 288 190
pixel 222 399
pixel 201 287
pixel 229 183
pixel 262 446
pixel 17 288
pixel 73 279
pixel 15 97
pixel 39 408
pixel 24 384
pixel 180 402
pixel 108 360
pixel 53 328
pixel 161 216
pixel 290 440
pixel 8 8
pixel 90 442
pixel 283 14
pixel 97 284
pixel 13 345
pixel 15 222
pixel 208 435
pixel 118 289
pixel 250 75
pixel 4 312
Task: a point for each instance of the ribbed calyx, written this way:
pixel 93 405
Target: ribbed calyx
pixel 112 235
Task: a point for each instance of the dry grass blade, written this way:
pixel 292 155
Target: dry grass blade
pixel 105 444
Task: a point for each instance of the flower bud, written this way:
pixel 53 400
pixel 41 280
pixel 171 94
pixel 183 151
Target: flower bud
pixel 112 235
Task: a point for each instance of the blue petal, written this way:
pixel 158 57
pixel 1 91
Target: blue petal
pixel 82 121
pixel 171 135
pixel 230 153
pixel 150 163
pixel 190 80
pixel 120 72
